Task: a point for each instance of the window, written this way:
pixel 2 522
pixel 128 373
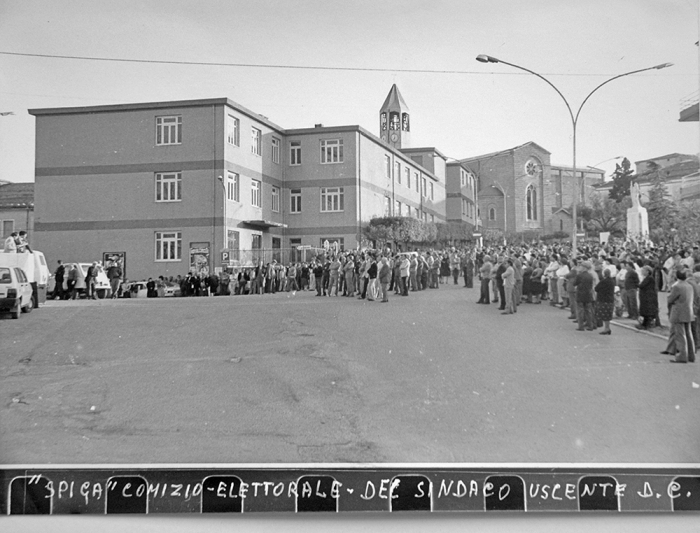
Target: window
pixel 295 195
pixel 233 187
pixel 398 209
pixel 168 187
pixel 255 193
pixel 332 151
pixel 432 191
pixel 415 177
pixel 256 147
pixel 8 226
pixel 397 171
pixel 168 130
pixel 233 131
pixel 464 177
pixel 387 167
pixel 432 218
pixel 276 199
pixel 334 242
pixel 492 213
pixel 256 242
pixel 408 210
pixel 387 206
pixel 295 153
pixel 531 202
pixel 424 188
pixel 233 243
pixel 407 171
pixel 296 255
pixel 275 150
pixel 332 199
pixel 464 206
pixel 168 245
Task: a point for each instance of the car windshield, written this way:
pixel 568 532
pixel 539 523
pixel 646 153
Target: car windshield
pixel 5 276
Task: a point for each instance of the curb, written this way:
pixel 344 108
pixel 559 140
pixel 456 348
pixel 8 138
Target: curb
pixel 632 328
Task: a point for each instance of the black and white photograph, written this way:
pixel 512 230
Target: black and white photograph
pixel 518 182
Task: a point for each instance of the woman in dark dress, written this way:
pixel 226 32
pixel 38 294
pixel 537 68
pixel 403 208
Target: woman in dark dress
pixel 605 298
pixel 648 299
pixel 444 269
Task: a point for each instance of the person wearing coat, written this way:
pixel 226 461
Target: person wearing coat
pixel 584 297
pixel 508 277
pixel 648 299
pixel 680 312
pixel 605 292
pixel 384 277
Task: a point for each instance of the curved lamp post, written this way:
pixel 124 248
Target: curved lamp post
pixel 574 120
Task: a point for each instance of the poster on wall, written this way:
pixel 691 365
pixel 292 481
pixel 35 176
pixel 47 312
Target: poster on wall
pixel 199 258
pixel 108 258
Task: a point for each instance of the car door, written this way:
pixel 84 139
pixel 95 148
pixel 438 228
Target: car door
pixel 25 288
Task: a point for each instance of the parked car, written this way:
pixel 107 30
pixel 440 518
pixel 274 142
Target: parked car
pixel 15 291
pixel 134 289
pixel 172 289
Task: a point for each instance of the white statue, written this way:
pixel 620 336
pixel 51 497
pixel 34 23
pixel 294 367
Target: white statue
pixel 635 194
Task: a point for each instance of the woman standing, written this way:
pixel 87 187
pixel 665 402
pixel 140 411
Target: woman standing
pixel 648 299
pixel 444 268
pixel 605 291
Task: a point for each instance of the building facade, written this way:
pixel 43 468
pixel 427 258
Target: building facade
pixel 16 209
pixel 189 185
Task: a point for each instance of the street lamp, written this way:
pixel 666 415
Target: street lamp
pixel 483 58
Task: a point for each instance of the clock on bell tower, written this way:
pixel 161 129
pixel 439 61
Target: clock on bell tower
pixel 394 120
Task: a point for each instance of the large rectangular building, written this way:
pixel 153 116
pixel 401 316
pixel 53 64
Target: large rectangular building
pixel 176 186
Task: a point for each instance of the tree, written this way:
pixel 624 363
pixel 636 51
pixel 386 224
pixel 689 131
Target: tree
pixel 662 211
pixel 453 233
pixel 622 178
pixel 606 214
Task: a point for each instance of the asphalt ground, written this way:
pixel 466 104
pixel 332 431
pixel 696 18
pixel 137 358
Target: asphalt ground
pixel 296 378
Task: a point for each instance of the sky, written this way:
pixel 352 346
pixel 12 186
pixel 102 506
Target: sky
pixel 462 107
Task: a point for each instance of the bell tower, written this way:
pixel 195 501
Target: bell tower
pixel 395 120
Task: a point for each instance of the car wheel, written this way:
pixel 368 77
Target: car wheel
pixel 28 308
pixel 15 311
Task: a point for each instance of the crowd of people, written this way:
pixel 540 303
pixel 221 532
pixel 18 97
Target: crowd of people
pixel 601 282
pixel 596 284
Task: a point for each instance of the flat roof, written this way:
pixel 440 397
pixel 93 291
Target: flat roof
pixel 112 108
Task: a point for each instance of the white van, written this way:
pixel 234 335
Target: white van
pixel 34 267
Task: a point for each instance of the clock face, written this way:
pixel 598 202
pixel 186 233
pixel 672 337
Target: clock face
pixel 394 137
pixel 384 137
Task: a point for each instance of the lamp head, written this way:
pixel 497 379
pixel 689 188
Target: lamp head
pixel 483 58
pixel 663 65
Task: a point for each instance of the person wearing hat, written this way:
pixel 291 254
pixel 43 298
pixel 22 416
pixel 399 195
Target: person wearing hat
pixel 584 297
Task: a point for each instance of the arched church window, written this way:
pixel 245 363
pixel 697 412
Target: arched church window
pixel 492 213
pixel 531 202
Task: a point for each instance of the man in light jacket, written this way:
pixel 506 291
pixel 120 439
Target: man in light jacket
pixel 680 312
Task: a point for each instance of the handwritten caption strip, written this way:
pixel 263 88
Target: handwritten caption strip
pixel 98 491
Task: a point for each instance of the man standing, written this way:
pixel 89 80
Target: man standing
pixel 584 297
pixel 629 294
pixel 455 264
pixel 59 276
pixel 90 281
pixel 680 311
pixel 114 273
pixel 485 275
pixel 502 267
pixel 508 287
pixel 384 278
